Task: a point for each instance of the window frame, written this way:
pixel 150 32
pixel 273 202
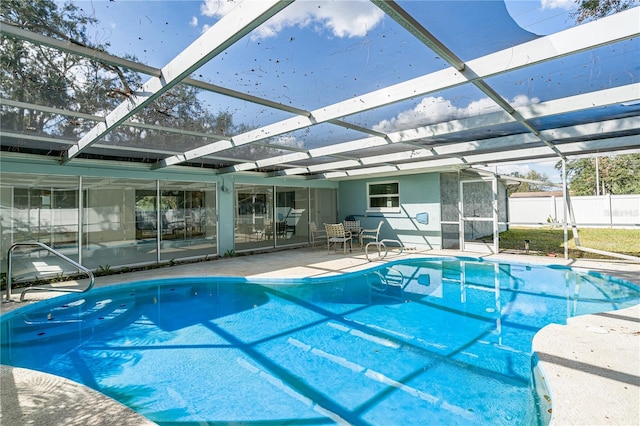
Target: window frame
pixel 396 195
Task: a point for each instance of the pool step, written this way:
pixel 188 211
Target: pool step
pixel 87 314
pixel 68 319
pixel 75 311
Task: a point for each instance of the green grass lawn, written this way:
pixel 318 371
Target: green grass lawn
pixel 543 241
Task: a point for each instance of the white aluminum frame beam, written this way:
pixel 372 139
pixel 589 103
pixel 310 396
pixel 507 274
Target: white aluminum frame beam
pixel 414 27
pixel 613 96
pixel 618 95
pixel 136 124
pixel 567 149
pixel 141 125
pixel 620 26
pixel 496 150
pixel 538 153
pixel 497 146
pixel 62 141
pixel 106 58
pixel 228 30
pixel 69 47
pixel 98 118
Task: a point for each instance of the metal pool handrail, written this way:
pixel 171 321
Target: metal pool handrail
pixel 55 252
pixel 378 245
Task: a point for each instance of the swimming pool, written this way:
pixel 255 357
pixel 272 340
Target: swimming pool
pixel 431 341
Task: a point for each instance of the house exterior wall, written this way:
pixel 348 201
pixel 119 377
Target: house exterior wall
pixel 419 193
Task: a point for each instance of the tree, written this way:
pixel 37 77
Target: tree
pixel 531 175
pixel 40 75
pixel 37 74
pixel 616 175
pixel 593 9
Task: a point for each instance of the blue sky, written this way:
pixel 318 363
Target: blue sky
pixel 348 41
pixel 542 17
pixel 132 25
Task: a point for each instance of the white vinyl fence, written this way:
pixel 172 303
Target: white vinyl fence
pixel 611 211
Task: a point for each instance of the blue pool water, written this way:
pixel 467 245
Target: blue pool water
pixel 435 341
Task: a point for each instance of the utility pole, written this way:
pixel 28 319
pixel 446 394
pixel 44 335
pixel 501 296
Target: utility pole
pixel 597 176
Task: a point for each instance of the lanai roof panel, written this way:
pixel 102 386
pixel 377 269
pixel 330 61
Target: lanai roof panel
pixel 317 136
pixel 459 102
pixel 34 143
pixel 295 59
pixel 596 69
pixel 603 113
pixel 252 152
pixel 470 29
pixel 336 90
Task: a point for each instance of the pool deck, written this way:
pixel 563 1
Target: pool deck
pixel 591 365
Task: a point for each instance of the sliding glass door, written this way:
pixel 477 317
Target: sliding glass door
pixel 254 221
pixel 292 215
pixel 188 225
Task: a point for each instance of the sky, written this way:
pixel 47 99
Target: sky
pixel 345 36
pixel 132 25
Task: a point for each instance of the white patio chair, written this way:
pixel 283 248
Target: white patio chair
pixel 352 226
pixel 336 234
pixel 370 234
pixel 317 234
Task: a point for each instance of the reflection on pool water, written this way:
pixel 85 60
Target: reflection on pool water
pixel 444 341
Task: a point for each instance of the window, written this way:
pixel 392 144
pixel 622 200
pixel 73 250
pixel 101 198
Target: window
pixel 383 197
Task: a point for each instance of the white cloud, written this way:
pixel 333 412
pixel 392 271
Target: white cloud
pixel 193 22
pixel 217 8
pixel 557 4
pixel 290 141
pixel 437 109
pixel 342 18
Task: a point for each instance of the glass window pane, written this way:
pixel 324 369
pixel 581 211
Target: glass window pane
pixel 34 209
pixel 384 195
pixel 118 222
pixel 292 215
pixel 254 217
pixel 379 202
pixel 382 189
pixel 188 225
pixel 47 215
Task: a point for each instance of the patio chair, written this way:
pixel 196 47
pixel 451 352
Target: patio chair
pixel 337 234
pixel 370 234
pixel 317 234
pixel 281 228
pixel 352 226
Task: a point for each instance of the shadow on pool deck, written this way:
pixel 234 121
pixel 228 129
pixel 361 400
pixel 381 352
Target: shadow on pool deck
pixel 592 364
pixel 31 398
